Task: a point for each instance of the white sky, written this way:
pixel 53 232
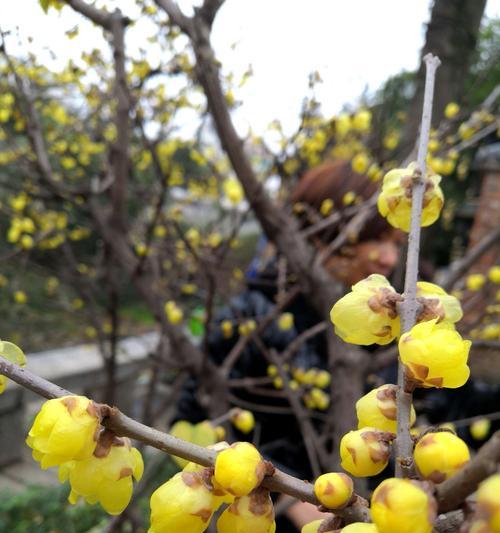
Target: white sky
pixel 354 44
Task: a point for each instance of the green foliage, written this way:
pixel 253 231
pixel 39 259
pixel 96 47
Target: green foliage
pixel 46 510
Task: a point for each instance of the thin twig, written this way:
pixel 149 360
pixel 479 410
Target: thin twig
pixel 403 444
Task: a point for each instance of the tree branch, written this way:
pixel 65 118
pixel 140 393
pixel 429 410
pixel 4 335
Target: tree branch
pixel 124 426
pixel 403 443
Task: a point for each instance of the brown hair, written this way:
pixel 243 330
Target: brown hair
pixel 333 179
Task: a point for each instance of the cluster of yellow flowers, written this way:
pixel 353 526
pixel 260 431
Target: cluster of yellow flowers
pixel 99 465
pixel 308 382
pixel 188 500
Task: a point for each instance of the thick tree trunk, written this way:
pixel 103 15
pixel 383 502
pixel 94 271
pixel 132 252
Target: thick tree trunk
pixel 452 35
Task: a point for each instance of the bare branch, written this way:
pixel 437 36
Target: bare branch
pixel 403 444
pixel 176 15
pixel 458 268
pixel 97 16
pixel 124 426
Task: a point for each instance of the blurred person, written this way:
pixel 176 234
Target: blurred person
pixel 375 250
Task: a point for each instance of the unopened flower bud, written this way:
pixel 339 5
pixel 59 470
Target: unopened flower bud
pixel 243 420
pixel 333 490
pixel 65 429
pixel 404 506
pixel 239 469
pixel 488 503
pixel 365 452
pixel 249 514
pixel 440 455
pixel 378 409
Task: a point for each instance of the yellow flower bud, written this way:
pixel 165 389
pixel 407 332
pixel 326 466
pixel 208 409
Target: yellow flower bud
pixel 494 274
pixel 20 297
pixel 378 409
pixel 313 527
pixel 64 430
pixel 333 490
pixel 349 198
pixel 249 514
pixel 233 190
pixel 435 355
pixel 243 420
pixel 202 434
pixel 475 282
pixel 488 503
pixel 173 312
pixel 440 455
pixel 362 120
pixel 391 140
pixel 365 452
pixel 343 125
pixel 184 503
pixel 226 327
pixel 285 321
pixel 360 163
pixel 437 303
pixel 374 299
pixel 394 201
pixel 106 478
pixel 480 429
pixel 272 371
pixel 326 207
pixel 404 506
pixel 12 353
pixel 322 379
pixel 451 110
pixel 247 327
pixel 239 469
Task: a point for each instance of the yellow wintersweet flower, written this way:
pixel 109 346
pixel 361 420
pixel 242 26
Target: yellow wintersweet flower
pixel 440 455
pixel 343 125
pixel 480 429
pixel 395 199
pixel 64 430
pixel 239 469
pixel 349 198
pixel 12 353
pixel 365 452
pixel 404 506
pixel 247 327
pixel 494 274
pixel 360 163
pixel 326 207
pixel 174 312
pixel 202 434
pixel 249 514
pixel 488 503
pixel 333 490
pixel 227 329
pixel 391 140
pixel 184 503
pixel 243 420
pixel 322 379
pixel 374 299
pixel 378 409
pixel 233 190
pixel 475 282
pixel 451 110
pixel 20 297
pixel 285 321
pixel 362 120
pixel 437 303
pixel 106 478
pixel 435 355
